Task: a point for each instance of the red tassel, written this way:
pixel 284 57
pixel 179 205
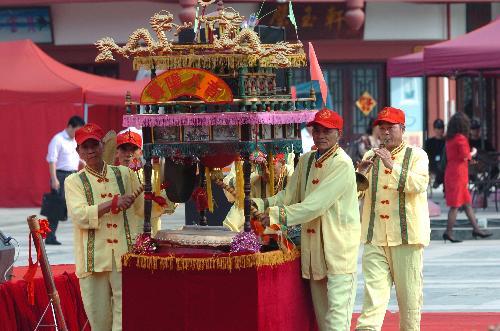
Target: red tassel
pixel 159 200
pixel 29 276
pixel 200 199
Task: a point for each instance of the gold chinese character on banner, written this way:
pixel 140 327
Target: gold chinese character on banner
pixel 308 19
pixel 333 18
pixel 366 103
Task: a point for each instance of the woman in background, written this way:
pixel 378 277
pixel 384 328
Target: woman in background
pixel 456 176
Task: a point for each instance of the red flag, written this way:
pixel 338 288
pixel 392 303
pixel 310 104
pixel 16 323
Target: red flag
pixel 293 92
pixel 317 74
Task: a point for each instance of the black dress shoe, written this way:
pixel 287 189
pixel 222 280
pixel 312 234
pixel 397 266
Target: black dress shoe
pixel 52 242
pixel 450 238
pixel 481 234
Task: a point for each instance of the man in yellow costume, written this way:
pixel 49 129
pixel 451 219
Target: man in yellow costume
pixel 259 185
pixel 101 200
pixel 395 225
pixel 129 153
pixel 321 195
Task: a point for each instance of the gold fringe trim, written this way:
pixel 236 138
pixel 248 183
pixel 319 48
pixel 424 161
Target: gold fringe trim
pixel 228 262
pixel 270 166
pixel 210 199
pixel 240 185
pixel 213 61
pixel 156 178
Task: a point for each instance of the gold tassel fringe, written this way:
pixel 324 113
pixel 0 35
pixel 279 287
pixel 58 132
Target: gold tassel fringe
pixel 213 61
pixel 226 262
pixel 209 190
pixel 270 165
pixel 240 185
pixel 156 177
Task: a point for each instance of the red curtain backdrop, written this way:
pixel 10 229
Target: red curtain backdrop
pixel 25 136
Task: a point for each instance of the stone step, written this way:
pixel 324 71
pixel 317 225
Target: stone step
pixel 463 233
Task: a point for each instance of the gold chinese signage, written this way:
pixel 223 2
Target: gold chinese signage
pixel 316 20
pixel 366 103
pixel 192 82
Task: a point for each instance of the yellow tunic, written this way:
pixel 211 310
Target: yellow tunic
pixel 395 209
pixel 98 239
pixel 326 203
pixel 258 189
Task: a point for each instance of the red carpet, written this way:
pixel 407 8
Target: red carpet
pixel 430 321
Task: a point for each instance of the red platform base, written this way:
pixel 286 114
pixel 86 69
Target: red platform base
pixel 250 299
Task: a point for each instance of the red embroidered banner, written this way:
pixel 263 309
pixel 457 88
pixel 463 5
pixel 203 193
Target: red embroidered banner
pixel 193 82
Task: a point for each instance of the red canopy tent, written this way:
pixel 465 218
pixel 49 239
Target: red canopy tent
pixel 467 54
pixel 410 65
pixel 37 97
pixel 478 50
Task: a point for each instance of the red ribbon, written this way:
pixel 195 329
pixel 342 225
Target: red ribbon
pixel 200 199
pixel 114 205
pixel 29 276
pixel 159 200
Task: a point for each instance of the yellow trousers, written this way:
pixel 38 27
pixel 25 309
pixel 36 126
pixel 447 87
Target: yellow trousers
pixel 333 300
pixel 102 299
pixel 383 266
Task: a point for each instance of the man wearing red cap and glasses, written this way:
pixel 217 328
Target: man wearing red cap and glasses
pixel 128 153
pixel 321 195
pixel 98 198
pixel 395 225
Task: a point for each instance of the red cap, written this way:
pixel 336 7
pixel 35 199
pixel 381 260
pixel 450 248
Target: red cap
pixel 280 157
pixel 390 115
pixel 328 118
pixel 129 137
pixel 88 131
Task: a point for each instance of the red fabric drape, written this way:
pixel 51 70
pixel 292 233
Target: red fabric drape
pixel 25 136
pixel 16 314
pixel 268 298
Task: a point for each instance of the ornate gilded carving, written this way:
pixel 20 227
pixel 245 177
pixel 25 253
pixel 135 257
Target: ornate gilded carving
pixel 227 44
pixel 160 22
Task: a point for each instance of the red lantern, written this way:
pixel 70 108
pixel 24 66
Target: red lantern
pixel 354 16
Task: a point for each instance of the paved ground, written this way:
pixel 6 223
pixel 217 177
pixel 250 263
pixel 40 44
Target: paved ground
pixel 458 277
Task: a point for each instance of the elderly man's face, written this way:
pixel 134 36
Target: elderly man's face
pixel 126 153
pixel 324 138
pixel 391 135
pixel 91 152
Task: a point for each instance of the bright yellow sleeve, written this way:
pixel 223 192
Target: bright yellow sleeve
pixel 317 202
pixel 83 215
pixel 230 180
pixel 417 178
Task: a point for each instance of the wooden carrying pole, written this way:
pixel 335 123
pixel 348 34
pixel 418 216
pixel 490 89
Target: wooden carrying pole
pixel 47 273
